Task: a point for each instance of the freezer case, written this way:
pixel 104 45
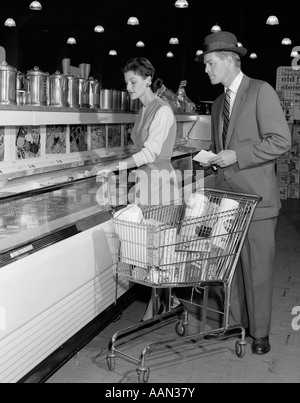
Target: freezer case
pixel 56 269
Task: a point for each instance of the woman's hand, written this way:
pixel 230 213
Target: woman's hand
pixel 102 171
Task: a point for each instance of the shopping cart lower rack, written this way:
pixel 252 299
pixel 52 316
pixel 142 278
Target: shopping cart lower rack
pixel 193 243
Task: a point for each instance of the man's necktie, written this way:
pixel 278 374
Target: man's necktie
pixel 226 115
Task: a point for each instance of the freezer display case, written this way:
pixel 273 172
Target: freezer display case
pixel 27 217
pixel 57 257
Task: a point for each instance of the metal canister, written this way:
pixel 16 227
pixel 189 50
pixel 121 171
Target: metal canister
pixel 124 100
pixel 116 100
pixel 21 87
pixel 37 87
pixel 83 93
pixel 135 105
pixel 94 93
pixel 106 99
pixel 7 84
pixel 73 91
pixel 59 90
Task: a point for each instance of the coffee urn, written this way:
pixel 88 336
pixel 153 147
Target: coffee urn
pixel 7 84
pixel 94 93
pixel 59 90
pixel 37 87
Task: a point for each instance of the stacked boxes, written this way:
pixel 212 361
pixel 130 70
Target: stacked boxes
pixel 288 167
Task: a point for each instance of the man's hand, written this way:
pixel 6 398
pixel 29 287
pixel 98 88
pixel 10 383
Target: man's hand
pixel 224 158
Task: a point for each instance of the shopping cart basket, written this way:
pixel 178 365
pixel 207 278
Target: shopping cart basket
pixel 173 248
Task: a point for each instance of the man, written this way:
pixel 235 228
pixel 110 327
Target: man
pixel 249 132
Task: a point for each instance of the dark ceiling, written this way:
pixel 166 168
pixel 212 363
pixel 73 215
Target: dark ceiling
pixel 40 36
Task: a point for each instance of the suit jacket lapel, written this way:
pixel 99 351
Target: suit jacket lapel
pixel 239 99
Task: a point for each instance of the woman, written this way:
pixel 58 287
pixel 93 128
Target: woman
pixel 154 135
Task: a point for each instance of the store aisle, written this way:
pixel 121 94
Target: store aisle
pixel 207 361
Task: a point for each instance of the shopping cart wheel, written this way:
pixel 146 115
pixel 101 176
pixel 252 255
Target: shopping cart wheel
pixel 144 374
pixel 240 349
pixel 111 362
pixel 180 329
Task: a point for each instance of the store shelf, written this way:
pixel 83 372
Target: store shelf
pixel 41 116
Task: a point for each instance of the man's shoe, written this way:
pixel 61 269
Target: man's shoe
pixel 261 345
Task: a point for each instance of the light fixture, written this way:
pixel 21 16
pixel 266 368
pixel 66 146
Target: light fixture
pixel 99 29
pixel 71 41
pixel 272 20
pixel 199 52
pixel 216 28
pixel 294 53
pixel 112 52
pixel 174 41
pixel 133 21
pixel 10 23
pixel 36 6
pixel 286 41
pixel 239 45
pixel 140 44
pixel 181 4
pixel 169 54
pixel 253 55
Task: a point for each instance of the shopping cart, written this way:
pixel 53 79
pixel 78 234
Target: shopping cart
pixel 172 248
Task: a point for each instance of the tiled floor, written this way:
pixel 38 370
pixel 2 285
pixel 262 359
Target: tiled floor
pixel 206 361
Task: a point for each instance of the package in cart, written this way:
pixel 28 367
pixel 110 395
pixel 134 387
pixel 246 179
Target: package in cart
pixel 196 206
pixel 146 244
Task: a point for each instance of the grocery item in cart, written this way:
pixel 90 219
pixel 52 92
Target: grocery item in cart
pixel 196 206
pixel 226 215
pixel 132 213
pixel 136 236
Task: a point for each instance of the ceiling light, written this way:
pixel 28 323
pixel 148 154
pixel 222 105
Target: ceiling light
pixel 112 53
pixel 140 44
pixel 239 45
pixel 36 6
pixel 169 54
pixel 294 53
pixel 133 21
pixel 216 28
pixel 10 23
pixel 174 41
pixel 99 29
pixel 286 41
pixel 199 52
pixel 253 56
pixel 71 41
pixel 181 4
pixel 272 20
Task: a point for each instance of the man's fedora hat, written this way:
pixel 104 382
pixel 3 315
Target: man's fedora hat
pixel 221 41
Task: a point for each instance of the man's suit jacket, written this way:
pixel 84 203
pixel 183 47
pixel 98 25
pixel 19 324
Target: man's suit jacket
pixel 259 133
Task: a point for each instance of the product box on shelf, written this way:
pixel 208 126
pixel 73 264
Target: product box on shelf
pixel 294 178
pixel 294 192
pixel 283 178
pixel 295 165
pixel 283 192
pixel 296 135
pixel 283 159
pixel 283 167
pixel 295 152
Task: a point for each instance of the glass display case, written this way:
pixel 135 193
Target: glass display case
pixel 55 212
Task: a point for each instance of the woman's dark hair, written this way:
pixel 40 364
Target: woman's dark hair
pixel 143 67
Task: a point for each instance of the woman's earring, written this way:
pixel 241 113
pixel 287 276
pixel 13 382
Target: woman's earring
pixel 148 85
